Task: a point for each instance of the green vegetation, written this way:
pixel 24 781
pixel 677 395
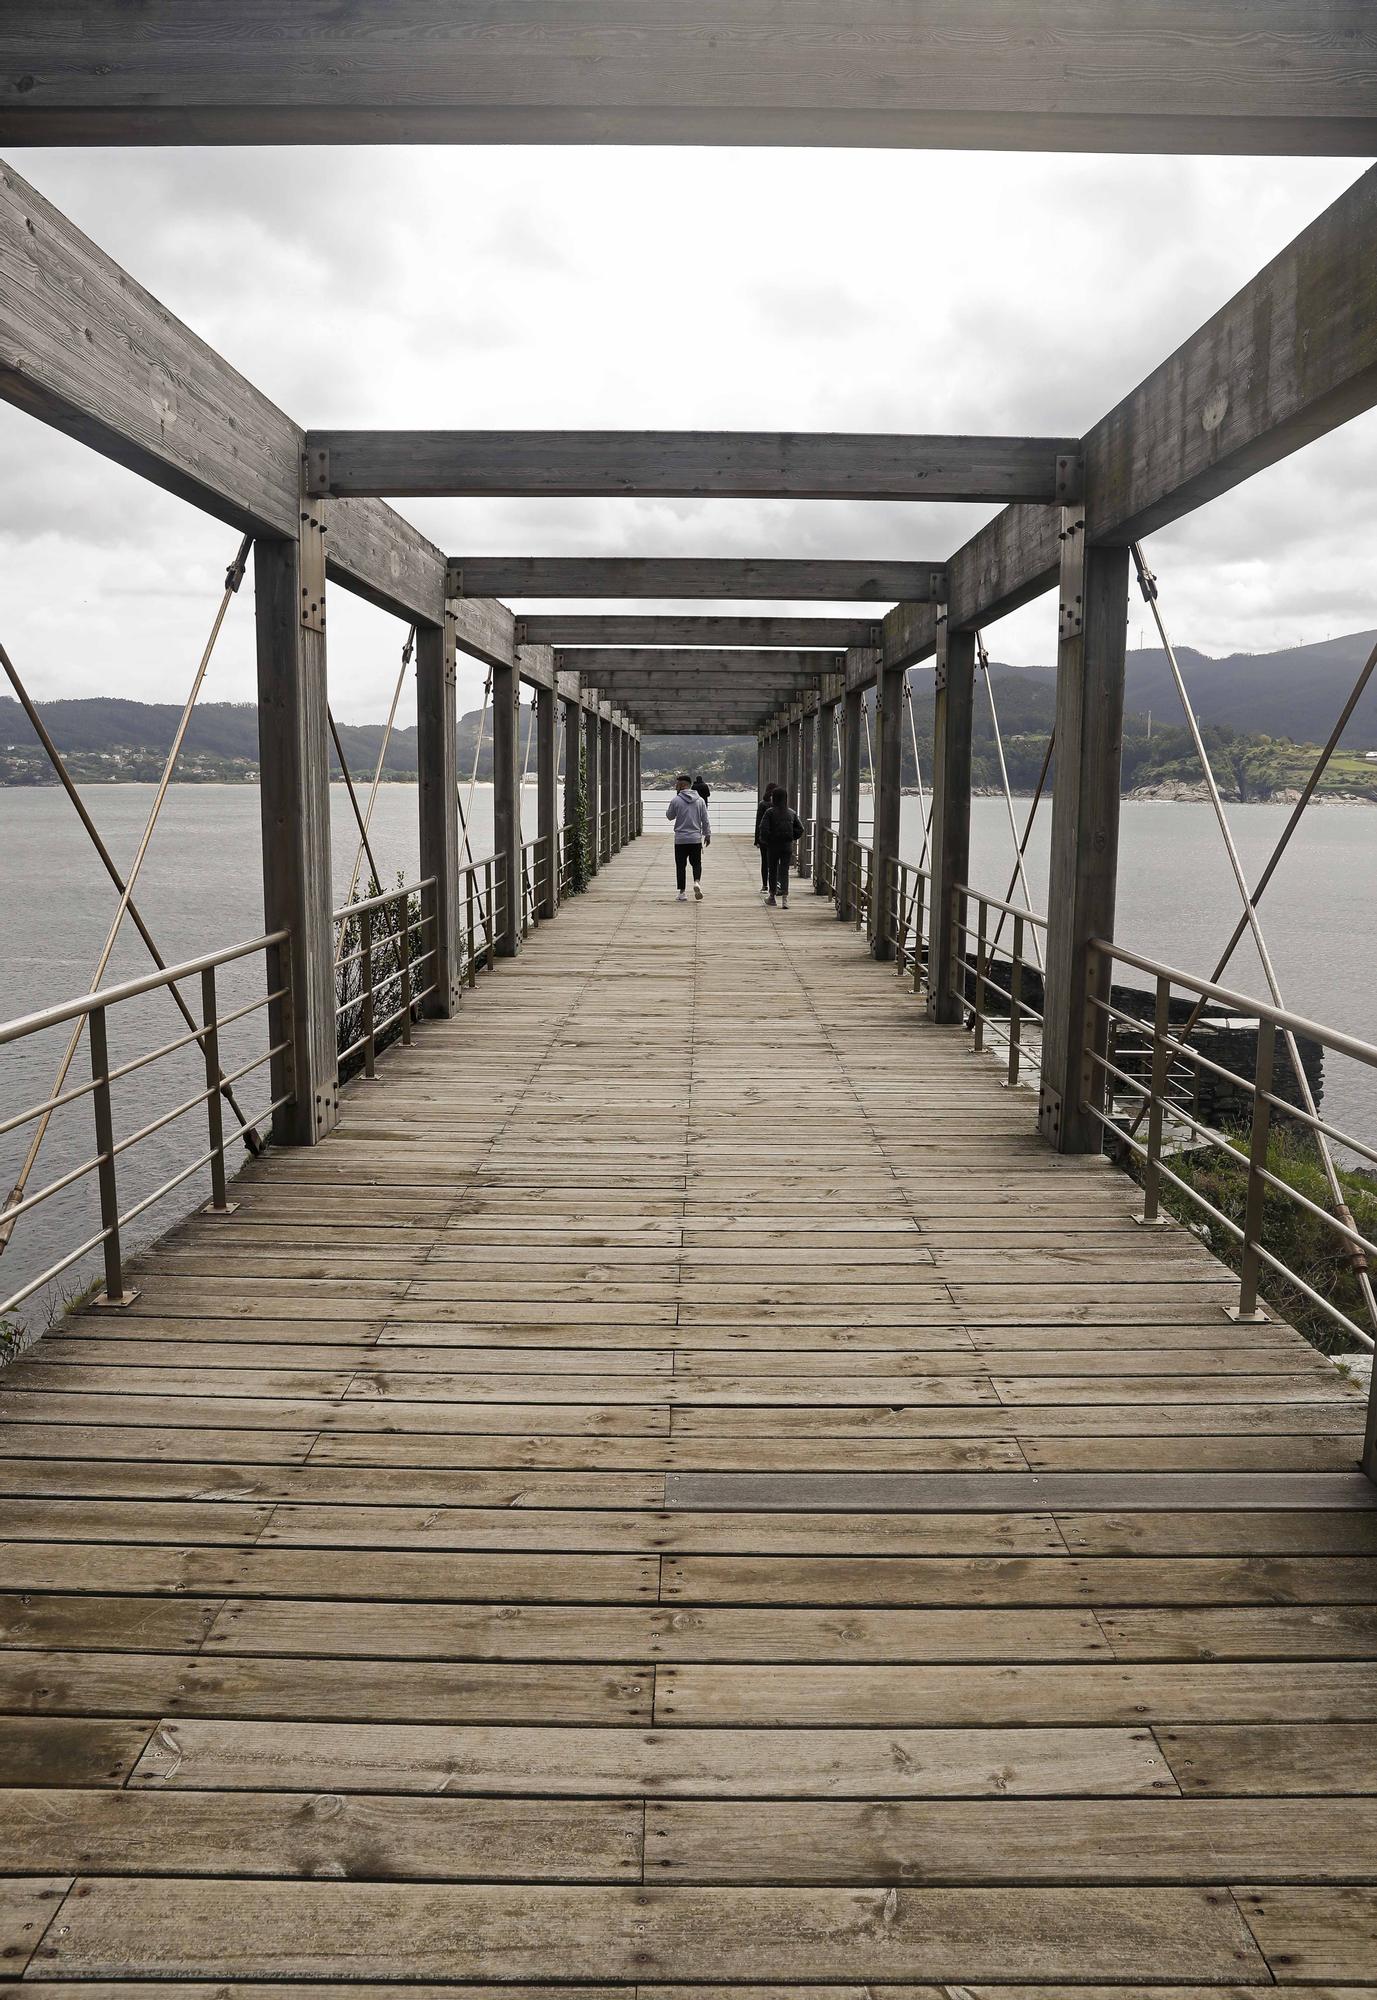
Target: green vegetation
pixel 385 949
pixel 581 851
pixel 1307 1246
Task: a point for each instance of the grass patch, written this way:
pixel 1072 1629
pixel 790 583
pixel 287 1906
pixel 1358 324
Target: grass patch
pixel 1306 1245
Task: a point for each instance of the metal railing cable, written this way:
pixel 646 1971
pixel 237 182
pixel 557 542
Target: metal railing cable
pixel 408 651
pixel 1147 583
pixel 1028 825
pixel 1021 877
pixel 924 810
pixel 466 808
pixel 124 883
pixel 365 844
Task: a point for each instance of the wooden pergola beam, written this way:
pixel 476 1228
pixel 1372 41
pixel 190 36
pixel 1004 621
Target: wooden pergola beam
pixel 572 629
pixel 89 352
pixel 739 465
pixel 1291 356
pixel 1169 76
pixel 596 662
pixel 729 579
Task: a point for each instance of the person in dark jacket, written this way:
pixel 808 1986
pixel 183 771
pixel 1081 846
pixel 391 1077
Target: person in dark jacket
pixel 702 787
pixel 780 829
pixel 767 800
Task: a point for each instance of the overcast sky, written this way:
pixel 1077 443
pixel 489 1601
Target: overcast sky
pixel 637 289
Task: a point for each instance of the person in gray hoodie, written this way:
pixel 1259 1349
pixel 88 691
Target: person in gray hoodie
pixel 692 834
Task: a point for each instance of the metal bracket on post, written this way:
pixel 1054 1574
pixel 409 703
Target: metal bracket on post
pixel 1071 604
pixel 1049 1113
pixel 939 665
pixel 1070 479
pixel 312 557
pixel 315 471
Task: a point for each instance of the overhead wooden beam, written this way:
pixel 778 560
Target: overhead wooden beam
pixel 594 662
pixel 1171 76
pixel 729 579
pixel 88 351
pixel 663 629
pixel 750 465
pixel 1291 357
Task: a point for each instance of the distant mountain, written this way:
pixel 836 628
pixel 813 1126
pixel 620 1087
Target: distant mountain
pixel 1294 694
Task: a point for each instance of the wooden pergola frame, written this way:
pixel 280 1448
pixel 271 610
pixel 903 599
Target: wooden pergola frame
pixel 85 349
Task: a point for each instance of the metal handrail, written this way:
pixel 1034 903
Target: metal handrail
pixel 1164 1113
pixel 970 983
pixel 93 1008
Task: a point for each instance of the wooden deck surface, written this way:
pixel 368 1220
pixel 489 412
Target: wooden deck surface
pixel 683 1489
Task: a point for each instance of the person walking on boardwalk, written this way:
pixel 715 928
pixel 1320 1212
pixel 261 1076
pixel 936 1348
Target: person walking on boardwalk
pixel 780 829
pixel 692 834
pixel 767 799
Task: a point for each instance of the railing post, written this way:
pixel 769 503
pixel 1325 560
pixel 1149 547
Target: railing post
pixel 950 842
pixel 849 816
pixel 982 973
pixel 370 1047
pixel 294 800
pixel 1085 832
pixel 115 1294
pixel 404 952
pixel 824 782
pixel 1247 1307
pixel 215 1113
pixel 605 780
pixel 1157 1090
pixel 490 920
pixel 592 759
pixel 438 797
pixel 919 911
pixel 547 784
pixel 889 723
pixel 506 801
pixel 470 962
pixel 807 784
pixel 1016 1005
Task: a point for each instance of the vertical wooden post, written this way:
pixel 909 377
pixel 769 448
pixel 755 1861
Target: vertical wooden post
pixel 573 740
pixel 889 724
pixel 506 804
pixel 793 740
pixel 826 758
pixel 807 802
pixel 950 844
pixel 294 800
pixel 1085 831
pixel 605 777
pixel 592 759
pixel 619 777
pixel 437 772
pixel 638 818
pixel 547 809
pixel 849 817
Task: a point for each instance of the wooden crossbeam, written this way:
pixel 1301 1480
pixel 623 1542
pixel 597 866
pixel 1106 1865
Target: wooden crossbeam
pixel 662 629
pixel 1292 356
pixel 597 662
pixel 1167 76
pixel 88 351
pixel 752 465
pixel 730 579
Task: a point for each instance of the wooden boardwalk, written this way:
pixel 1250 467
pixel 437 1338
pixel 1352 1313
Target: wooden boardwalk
pixel 683 1488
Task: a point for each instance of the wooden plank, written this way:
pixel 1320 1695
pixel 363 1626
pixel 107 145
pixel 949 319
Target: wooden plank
pixel 1013 1696
pixel 58 1750
pixel 1088 1840
pixel 155 1684
pixel 1148 1491
pixel 860 465
pixel 133 1624
pixel 1310 1933
pixel 223 1930
pixel 1182 77
pixel 637 1633
pixel 359 1838
pixel 1273 1759
pixel 27 1908
pixel 593 1762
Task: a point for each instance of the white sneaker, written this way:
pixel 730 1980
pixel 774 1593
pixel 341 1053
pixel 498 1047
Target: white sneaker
pixel 681 897
pixel 784 903
pixel 698 893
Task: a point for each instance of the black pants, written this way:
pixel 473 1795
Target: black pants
pixel 777 867
pixel 686 851
pixel 764 866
